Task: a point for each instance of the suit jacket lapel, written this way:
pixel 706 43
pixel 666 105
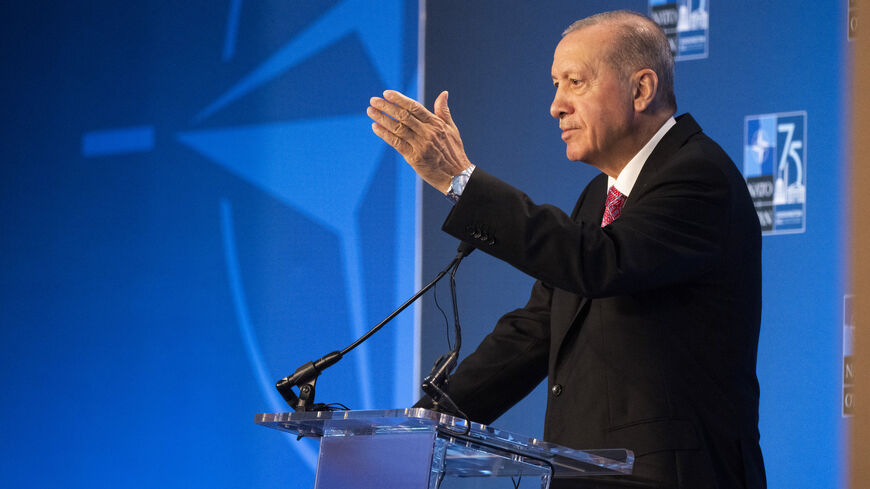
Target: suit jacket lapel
pixel 591 208
pixel 676 137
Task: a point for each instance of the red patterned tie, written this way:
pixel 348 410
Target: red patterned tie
pixel 613 206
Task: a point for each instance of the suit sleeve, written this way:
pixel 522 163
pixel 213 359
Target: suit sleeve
pixel 507 365
pixel 670 231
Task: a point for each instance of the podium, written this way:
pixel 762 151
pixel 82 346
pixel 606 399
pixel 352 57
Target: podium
pixel 417 449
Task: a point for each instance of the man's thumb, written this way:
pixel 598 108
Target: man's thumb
pixel 441 108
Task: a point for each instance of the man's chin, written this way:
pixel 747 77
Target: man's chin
pixel 574 155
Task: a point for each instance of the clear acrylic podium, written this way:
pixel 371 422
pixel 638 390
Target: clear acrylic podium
pixel 417 448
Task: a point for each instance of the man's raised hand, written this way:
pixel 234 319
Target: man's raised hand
pixel 429 141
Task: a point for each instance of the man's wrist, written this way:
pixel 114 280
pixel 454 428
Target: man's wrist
pixel 457 185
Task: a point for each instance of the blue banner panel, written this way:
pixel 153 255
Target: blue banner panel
pixel 193 206
pixel 117 141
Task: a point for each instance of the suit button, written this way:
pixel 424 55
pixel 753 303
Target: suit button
pixel 476 234
pixel 556 390
pixel 484 237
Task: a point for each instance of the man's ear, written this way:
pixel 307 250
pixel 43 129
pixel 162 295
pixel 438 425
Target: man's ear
pixel 646 84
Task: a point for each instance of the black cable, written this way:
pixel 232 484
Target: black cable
pixel 443 314
pixel 401 308
pixel 445 365
pixel 456 325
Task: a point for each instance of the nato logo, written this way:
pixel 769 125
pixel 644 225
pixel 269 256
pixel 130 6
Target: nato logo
pixel 774 166
pixel 686 23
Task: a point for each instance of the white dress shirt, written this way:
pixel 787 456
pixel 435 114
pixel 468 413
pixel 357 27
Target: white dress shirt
pixel 625 181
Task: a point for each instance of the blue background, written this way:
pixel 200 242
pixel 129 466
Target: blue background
pixel 193 205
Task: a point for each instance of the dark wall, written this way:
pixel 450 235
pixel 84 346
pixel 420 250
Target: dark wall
pixel 763 59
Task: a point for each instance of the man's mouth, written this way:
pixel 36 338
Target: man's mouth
pixel 567 131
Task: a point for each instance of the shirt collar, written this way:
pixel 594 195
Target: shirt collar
pixel 625 182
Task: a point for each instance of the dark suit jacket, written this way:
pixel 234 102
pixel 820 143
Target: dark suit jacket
pixel 646 329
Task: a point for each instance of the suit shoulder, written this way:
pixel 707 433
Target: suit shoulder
pixel 702 154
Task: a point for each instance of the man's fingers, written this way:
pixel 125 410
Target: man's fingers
pixel 393 140
pixel 398 113
pixel 392 125
pixel 412 106
pixel 441 108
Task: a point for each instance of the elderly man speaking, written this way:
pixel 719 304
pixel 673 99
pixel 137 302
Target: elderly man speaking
pixel 646 311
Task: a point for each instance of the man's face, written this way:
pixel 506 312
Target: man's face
pixel 593 103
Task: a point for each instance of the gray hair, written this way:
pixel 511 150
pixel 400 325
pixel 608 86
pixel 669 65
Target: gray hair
pixel 640 43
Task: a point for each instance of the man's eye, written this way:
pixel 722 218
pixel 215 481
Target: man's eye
pixel 556 84
pixel 575 82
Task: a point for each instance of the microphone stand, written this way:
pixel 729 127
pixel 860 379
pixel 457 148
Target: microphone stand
pixel 433 384
pixel 305 377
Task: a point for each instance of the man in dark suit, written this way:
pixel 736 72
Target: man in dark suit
pixel 645 316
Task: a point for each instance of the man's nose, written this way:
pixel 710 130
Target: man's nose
pixel 559 108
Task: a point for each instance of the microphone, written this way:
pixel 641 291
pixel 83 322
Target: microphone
pixel 305 377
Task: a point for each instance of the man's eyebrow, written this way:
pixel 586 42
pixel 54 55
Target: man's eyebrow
pixel 565 74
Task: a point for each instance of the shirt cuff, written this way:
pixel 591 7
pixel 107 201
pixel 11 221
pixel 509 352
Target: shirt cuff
pixel 457 185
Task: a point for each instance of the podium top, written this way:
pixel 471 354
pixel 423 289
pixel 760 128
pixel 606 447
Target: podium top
pixel 565 462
